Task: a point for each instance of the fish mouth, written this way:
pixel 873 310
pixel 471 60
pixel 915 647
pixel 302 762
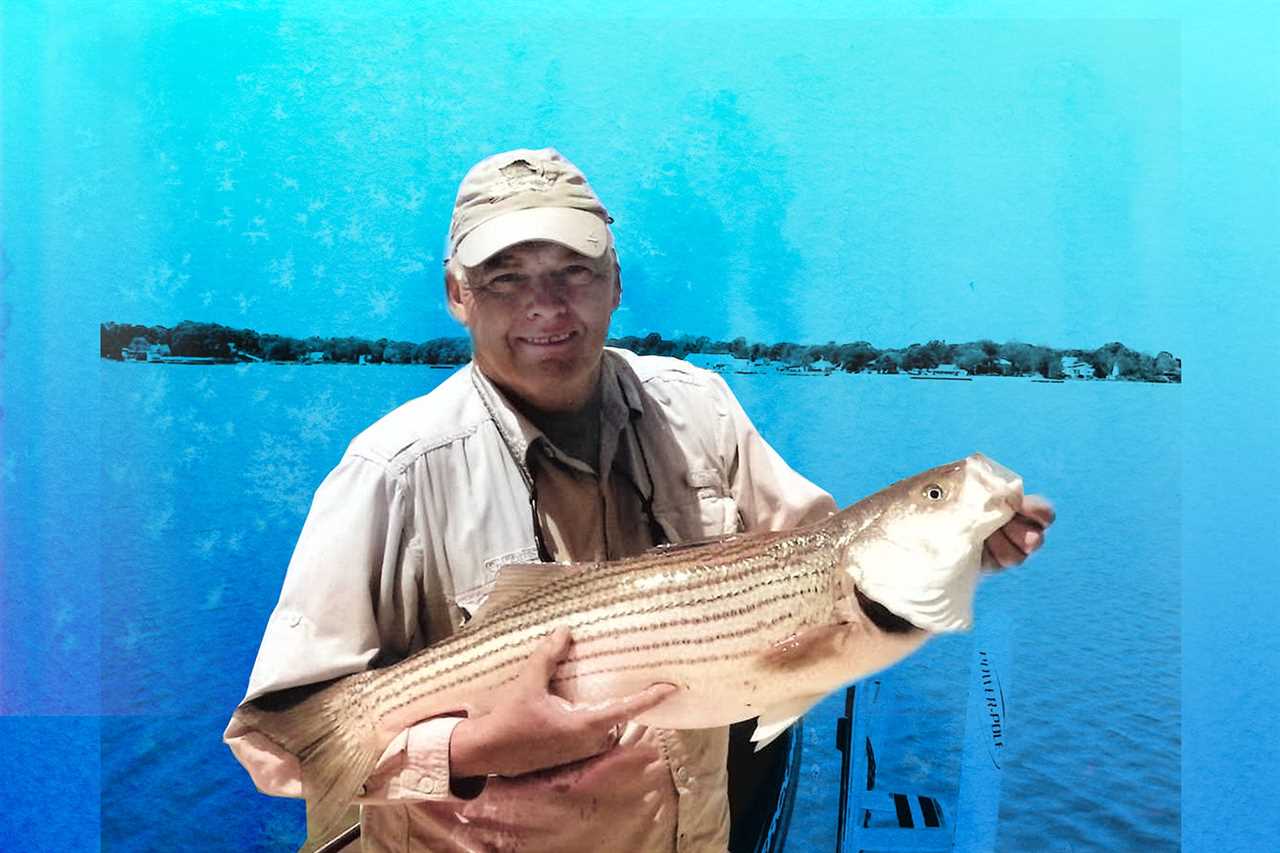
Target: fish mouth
pixel 1003 484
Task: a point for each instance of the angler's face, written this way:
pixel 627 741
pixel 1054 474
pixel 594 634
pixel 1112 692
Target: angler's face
pixel 538 314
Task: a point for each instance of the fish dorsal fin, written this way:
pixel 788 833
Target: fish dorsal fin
pixel 776 720
pixel 516 581
pixel 755 535
pixel 669 547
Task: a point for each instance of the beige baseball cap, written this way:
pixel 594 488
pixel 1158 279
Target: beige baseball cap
pixel 524 195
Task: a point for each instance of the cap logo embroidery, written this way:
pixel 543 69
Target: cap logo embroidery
pixel 523 176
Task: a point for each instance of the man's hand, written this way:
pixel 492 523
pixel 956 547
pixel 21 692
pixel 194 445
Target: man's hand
pixel 1020 536
pixel 531 728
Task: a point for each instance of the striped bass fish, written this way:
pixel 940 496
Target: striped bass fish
pixel 753 625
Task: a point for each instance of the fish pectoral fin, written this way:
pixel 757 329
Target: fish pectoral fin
pixel 517 581
pixel 804 647
pixel 776 720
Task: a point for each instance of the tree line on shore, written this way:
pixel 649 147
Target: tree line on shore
pixel 981 357
pixel 213 340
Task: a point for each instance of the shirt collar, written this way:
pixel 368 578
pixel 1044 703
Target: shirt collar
pixel 619 403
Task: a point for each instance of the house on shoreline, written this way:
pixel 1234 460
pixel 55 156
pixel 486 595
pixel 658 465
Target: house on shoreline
pixel 1076 368
pixel 141 349
pixel 819 367
pixel 946 369
pixel 720 362
pixel 723 362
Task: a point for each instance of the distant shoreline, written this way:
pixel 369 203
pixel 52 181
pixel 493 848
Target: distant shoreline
pixel 195 343
pixel 899 375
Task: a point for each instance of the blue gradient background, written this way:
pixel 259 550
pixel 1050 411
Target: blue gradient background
pixel 1067 174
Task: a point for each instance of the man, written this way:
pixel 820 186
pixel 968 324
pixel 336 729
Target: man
pixel 547 447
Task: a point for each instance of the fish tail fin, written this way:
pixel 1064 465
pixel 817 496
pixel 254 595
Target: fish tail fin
pixel 334 738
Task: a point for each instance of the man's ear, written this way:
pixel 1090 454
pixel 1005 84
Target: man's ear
pixel 454 299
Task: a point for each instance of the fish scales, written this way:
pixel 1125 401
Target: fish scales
pixel 579 596
pixel 709 591
pixel 728 621
pixel 760 624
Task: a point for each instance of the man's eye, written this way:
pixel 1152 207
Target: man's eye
pixel 578 274
pixel 505 283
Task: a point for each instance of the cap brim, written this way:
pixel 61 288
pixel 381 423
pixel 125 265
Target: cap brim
pixel 580 230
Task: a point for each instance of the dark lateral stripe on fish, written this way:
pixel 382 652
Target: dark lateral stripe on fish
pixel 722 636
pixel 518 651
pixel 676 661
pixel 727 558
pixel 502 656
pixel 560 600
pixel 670 661
pixel 725 616
pixel 607 611
pixel 701 578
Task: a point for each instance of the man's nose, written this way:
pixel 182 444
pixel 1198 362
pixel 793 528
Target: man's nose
pixel 545 295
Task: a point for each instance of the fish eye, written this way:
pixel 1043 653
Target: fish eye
pixel 934 492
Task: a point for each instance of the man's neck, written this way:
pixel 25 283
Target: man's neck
pixel 575 431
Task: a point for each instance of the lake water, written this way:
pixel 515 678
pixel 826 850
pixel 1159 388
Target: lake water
pixel 207 473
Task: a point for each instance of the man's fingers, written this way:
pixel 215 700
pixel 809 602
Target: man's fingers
pixel 651 697
pixel 629 707
pixel 1001 551
pixel 1020 536
pixel 547 656
pixel 1026 536
pixel 988 559
pixel 1038 509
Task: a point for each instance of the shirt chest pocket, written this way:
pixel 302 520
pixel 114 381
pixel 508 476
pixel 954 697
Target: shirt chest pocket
pixel 479 585
pixel 710 503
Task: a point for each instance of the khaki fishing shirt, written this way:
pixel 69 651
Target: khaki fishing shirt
pixel 406 536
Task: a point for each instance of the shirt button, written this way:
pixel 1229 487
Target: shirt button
pixel 682 776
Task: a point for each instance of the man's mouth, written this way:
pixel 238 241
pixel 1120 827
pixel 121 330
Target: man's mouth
pixel 546 340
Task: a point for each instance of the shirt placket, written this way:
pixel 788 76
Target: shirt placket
pixel 678 763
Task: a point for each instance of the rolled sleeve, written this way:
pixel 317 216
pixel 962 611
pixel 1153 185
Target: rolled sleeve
pixel 415 766
pixel 273 770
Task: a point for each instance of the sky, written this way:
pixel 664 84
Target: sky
pixel 291 168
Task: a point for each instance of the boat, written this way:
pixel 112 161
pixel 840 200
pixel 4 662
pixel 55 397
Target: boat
pixel 188 359
pixel 949 372
pixel 873 817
